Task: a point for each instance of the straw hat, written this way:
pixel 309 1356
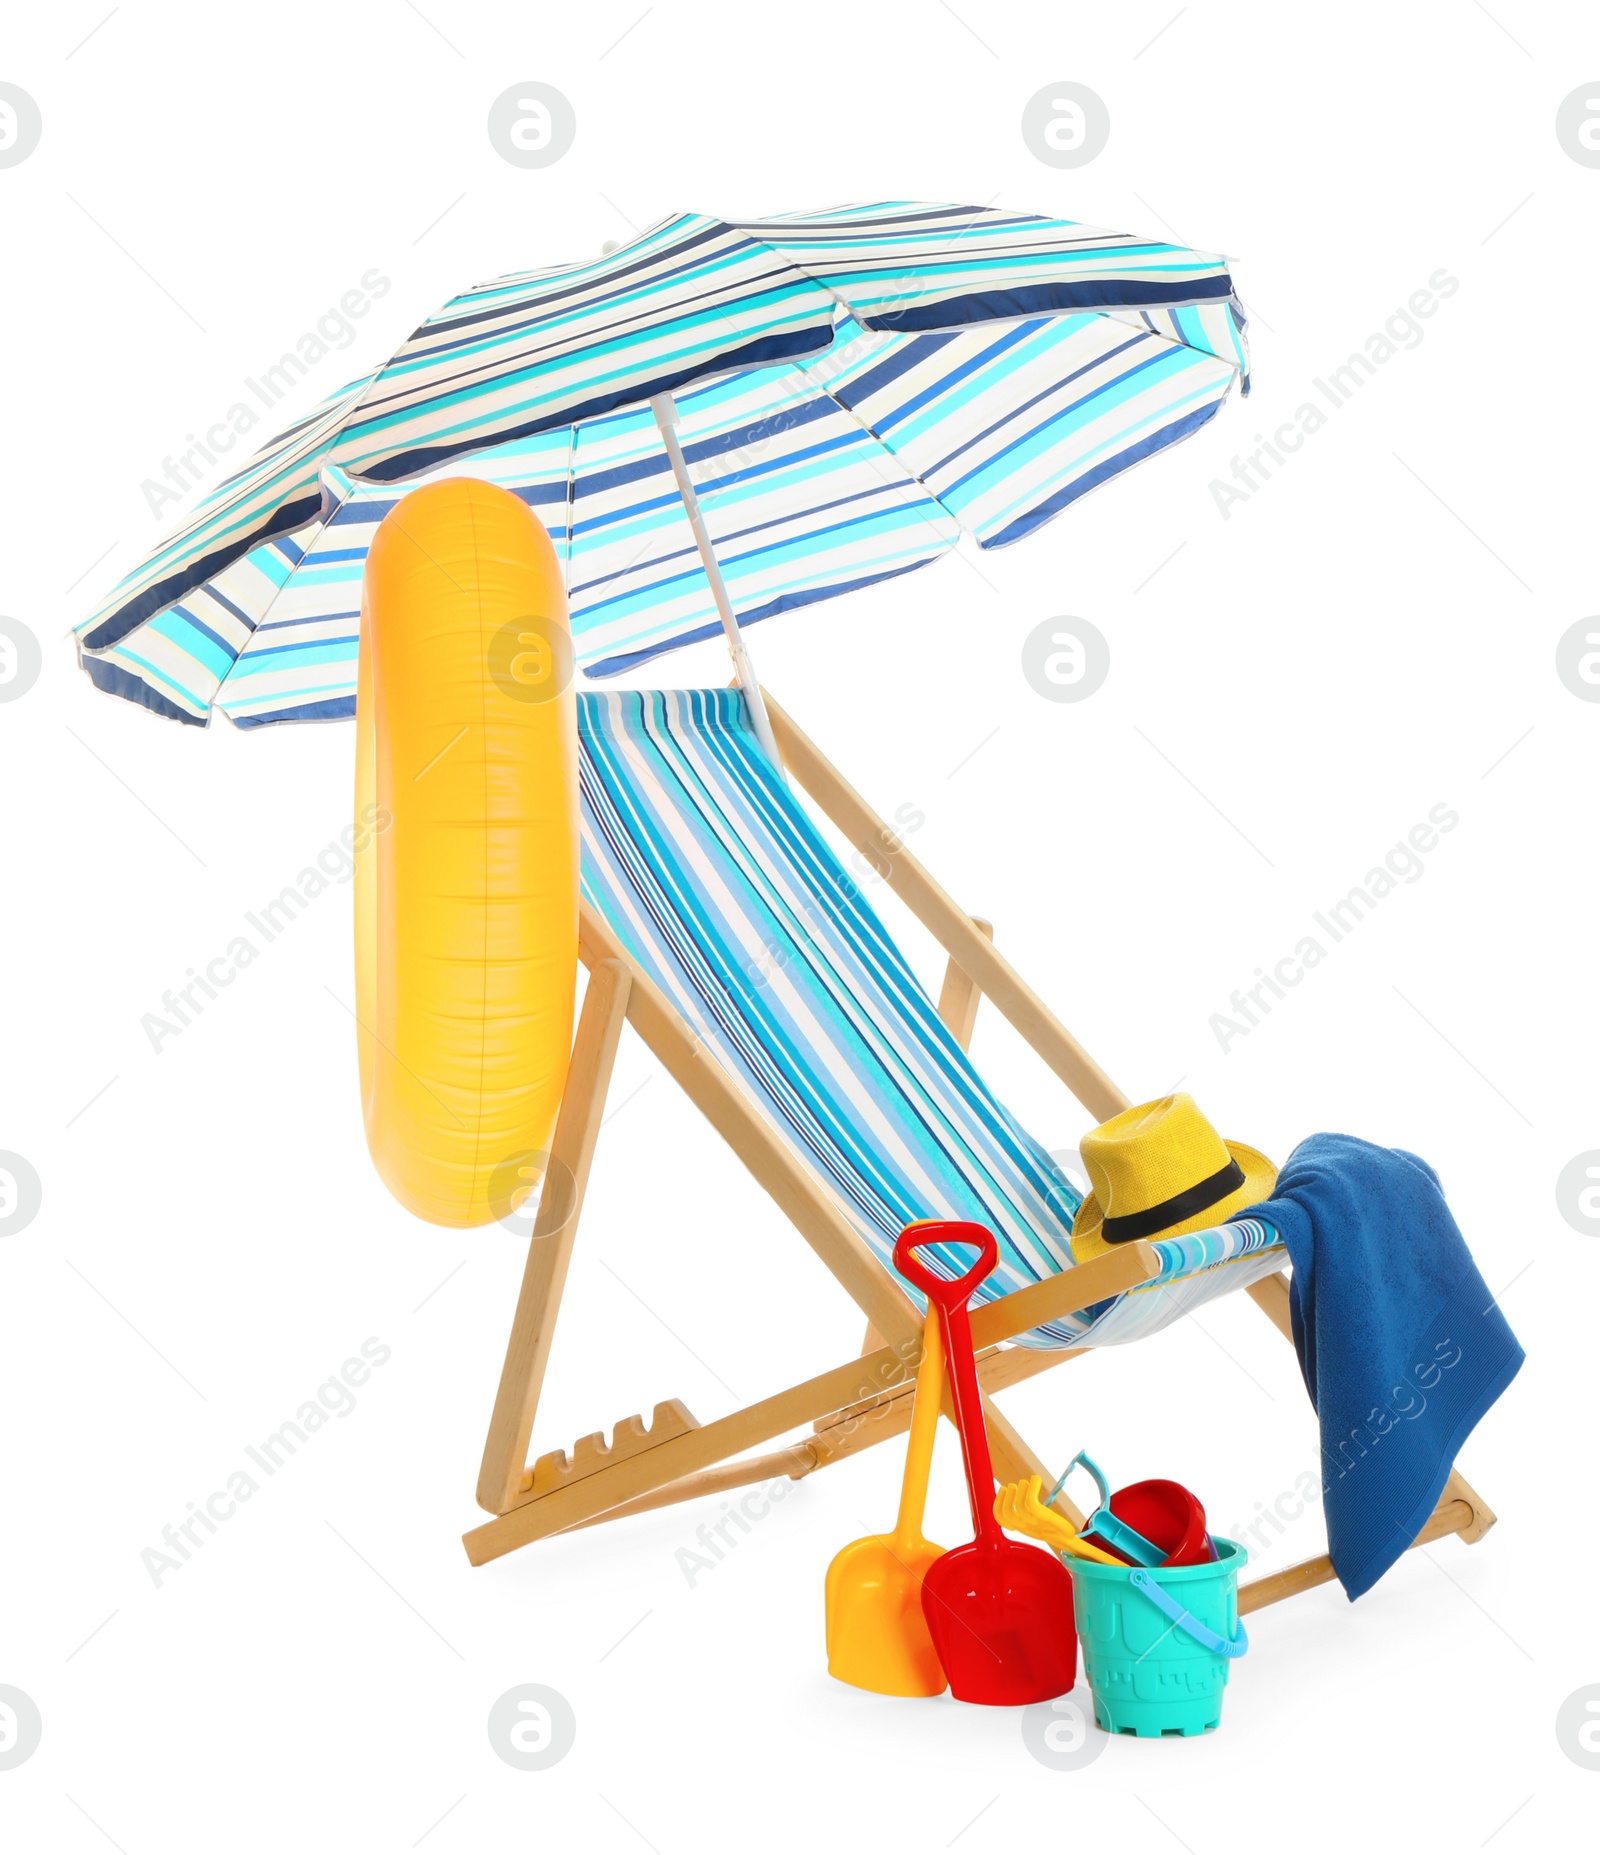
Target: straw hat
pixel 1159 1170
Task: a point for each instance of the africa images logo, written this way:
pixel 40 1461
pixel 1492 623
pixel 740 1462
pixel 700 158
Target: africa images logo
pixel 1402 864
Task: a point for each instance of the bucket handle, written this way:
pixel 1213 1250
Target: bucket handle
pixel 1169 1607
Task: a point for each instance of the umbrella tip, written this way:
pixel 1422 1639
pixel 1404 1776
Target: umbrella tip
pixel 609 246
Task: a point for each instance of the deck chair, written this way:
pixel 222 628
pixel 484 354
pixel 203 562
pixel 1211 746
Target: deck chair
pixel 716 920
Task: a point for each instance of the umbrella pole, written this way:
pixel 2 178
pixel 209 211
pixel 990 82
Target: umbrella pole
pixel 666 411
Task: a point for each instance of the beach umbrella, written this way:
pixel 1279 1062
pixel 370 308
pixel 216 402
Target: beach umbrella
pixel 716 422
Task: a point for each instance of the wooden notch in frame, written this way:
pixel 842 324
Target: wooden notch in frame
pixel 592 1453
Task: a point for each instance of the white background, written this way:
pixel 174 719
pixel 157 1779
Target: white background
pixel 1370 634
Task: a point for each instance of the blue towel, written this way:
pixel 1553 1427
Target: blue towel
pixel 1401 1345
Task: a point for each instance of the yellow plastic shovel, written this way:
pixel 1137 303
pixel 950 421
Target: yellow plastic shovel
pixel 877 1636
pixel 1019 1510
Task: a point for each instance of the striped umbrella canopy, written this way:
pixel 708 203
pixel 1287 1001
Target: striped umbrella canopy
pixel 716 422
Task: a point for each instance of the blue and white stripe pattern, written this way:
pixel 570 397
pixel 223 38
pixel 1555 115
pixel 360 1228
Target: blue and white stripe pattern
pixel 801 501
pixel 855 388
pixel 712 876
pixel 1006 426
pixel 300 662
pixel 910 267
pixel 171 631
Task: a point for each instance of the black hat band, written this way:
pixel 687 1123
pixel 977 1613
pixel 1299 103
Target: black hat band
pixel 1174 1210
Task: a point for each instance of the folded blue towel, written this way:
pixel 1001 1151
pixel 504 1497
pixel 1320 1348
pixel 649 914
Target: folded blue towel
pixel 1401 1345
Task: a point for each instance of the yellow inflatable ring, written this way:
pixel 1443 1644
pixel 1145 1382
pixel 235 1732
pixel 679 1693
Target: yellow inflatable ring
pixel 466 888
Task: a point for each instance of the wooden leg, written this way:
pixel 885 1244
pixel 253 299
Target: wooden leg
pixel 1448 1517
pixel 1483 1515
pixel 1461 1510
pixel 505 1450
pixel 959 996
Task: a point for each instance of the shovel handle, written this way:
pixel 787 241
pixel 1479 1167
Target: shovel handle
pixel 950 1298
pixel 945 1294
pixel 919 1445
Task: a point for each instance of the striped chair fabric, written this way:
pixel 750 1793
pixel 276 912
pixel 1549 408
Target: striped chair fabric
pixel 710 873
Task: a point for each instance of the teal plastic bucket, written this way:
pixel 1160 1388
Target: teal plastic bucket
pixel 1157 1643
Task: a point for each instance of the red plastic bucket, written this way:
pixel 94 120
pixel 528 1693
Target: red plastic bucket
pixel 1169 1516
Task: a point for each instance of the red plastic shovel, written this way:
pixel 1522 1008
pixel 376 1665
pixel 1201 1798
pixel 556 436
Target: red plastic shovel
pixel 999 1612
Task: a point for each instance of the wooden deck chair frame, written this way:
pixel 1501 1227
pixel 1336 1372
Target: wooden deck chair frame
pixel 867 1400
